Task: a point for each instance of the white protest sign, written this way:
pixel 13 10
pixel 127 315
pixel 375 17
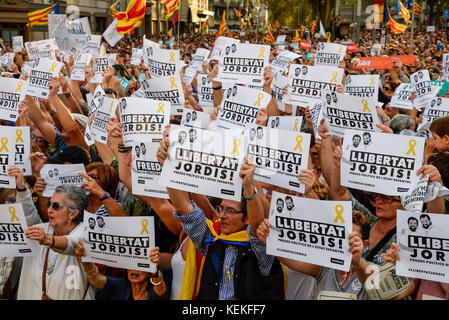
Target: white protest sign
pixel 105 111
pixel 166 89
pixel 402 97
pixel 188 76
pixel 143 119
pixel 329 54
pixel 78 30
pixel 13 242
pixel 376 49
pixel 40 75
pixel 276 92
pixel 240 106
pixel 446 66
pixel 380 162
pixel 41 49
pixel 334 295
pixel 430 29
pixel 281 61
pixel 57 29
pixel 289 123
pixel 12 91
pixel 424 245
pixel 136 56
pixel 97 100
pixel 316 114
pixel 297 232
pixel 220 44
pixel 146 170
pixel 423 87
pixel 93 43
pixel 79 68
pixel 7 156
pixel 437 107
pixel 111 35
pixel 17 43
pixel 384 283
pixel 20 138
pixel 123 242
pixel 364 86
pixel 342 112
pixel 243 63
pixel 279 156
pixel 200 55
pixel 205 162
pixel 161 63
pixel 61 174
pixel 205 91
pixel 99 65
pixel 415 200
pixel 195 119
pixel 305 83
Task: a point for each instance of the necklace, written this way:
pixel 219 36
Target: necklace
pixel 346 276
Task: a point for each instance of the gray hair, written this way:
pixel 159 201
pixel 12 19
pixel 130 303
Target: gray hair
pixel 401 122
pixel 75 198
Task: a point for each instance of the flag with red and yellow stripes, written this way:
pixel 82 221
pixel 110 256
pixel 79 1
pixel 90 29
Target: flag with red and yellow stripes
pixel 40 17
pixel 132 17
pixel 115 8
pixel 403 12
pixel 170 7
pixel 222 27
pixel 396 27
pixel 268 36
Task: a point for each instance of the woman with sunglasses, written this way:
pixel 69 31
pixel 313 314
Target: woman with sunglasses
pixel 43 275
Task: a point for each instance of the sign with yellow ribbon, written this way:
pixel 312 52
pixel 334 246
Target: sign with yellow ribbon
pixel 329 54
pixel 363 86
pixel 40 75
pixel 13 92
pixel 235 150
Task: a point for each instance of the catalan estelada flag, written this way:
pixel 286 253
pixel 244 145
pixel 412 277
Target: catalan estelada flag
pixel 268 36
pixel 417 7
pixel 40 17
pixel 204 27
pixel 395 26
pixel 403 12
pixel 170 7
pixel 115 8
pixel 133 17
pixel 222 27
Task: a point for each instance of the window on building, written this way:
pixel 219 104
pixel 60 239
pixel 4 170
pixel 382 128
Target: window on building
pixel 9 30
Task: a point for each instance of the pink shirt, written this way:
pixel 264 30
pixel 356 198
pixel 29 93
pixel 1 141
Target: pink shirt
pixel 431 288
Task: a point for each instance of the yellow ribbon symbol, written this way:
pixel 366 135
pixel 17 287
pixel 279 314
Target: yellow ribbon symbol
pixel 339 211
pixel 19 136
pixel 12 210
pixel 144 226
pixel 296 124
pixel 299 139
pixel 260 97
pixel 412 144
pixel 172 57
pixel 4 142
pixel 334 76
pixel 237 143
pixel 328 34
pixel 262 50
pixel 53 65
pixel 161 107
pixel 365 106
pixel 172 80
pixel 110 107
pixel 372 81
pixel 340 49
pixel 19 86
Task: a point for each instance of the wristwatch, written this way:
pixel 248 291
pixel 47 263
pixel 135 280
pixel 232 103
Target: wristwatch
pixel 106 195
pixel 254 196
pixel 157 274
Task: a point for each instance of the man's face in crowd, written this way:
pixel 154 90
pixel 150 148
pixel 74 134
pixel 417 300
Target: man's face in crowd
pixel 234 222
pixel 315 155
pixel 38 138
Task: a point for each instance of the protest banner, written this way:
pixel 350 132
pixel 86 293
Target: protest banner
pixel 305 83
pixel 240 106
pixel 297 232
pixel 384 62
pixel 423 87
pixel 146 170
pixel 316 114
pixel 61 174
pixel 380 162
pixel 105 111
pixel 13 242
pixel 78 30
pixel 282 60
pixel 289 123
pixel 279 156
pixel 41 49
pixel 93 43
pixel 17 43
pixel 136 57
pixel 205 162
pixel 40 75
pixel 123 242
pixel 7 156
pixel 280 39
pixel 205 91
pixel 364 86
pixel 402 97
pixel 424 245
pixel 166 89
pixel 329 54
pixel 439 87
pixel 384 283
pixel 305 45
pixel 12 91
pixel 195 119
pixel 20 142
pixel 198 57
pixel 437 107
pixel 342 112
pixel 111 35
pixel 276 92
pixel 99 65
pixel 161 63
pixel 188 76
pixel 415 200
pixel 97 100
pixel 79 68
pixel 446 66
pixel 351 47
pixel 57 29
pixel 143 119
pixel 220 44
pixel 376 49
pixel 430 29
pixel 243 63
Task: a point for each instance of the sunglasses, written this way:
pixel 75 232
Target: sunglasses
pixel 227 210
pixel 10 200
pixel 55 205
pixel 38 139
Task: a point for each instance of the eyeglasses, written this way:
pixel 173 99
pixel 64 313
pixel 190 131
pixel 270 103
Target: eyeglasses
pixel 387 88
pixel 10 200
pixel 38 139
pixel 227 210
pixel 385 199
pixel 93 176
pixel 55 205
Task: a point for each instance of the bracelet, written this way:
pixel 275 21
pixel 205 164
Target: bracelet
pixel 217 88
pixel 254 196
pixel 20 189
pixel 122 149
pixel 156 284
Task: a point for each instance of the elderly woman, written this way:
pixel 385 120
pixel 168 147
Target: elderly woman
pixel 54 272
pixel 137 285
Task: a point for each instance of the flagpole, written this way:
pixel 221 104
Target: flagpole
pixel 413 22
pixel 179 20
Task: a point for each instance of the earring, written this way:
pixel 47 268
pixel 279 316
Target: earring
pixel 68 221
